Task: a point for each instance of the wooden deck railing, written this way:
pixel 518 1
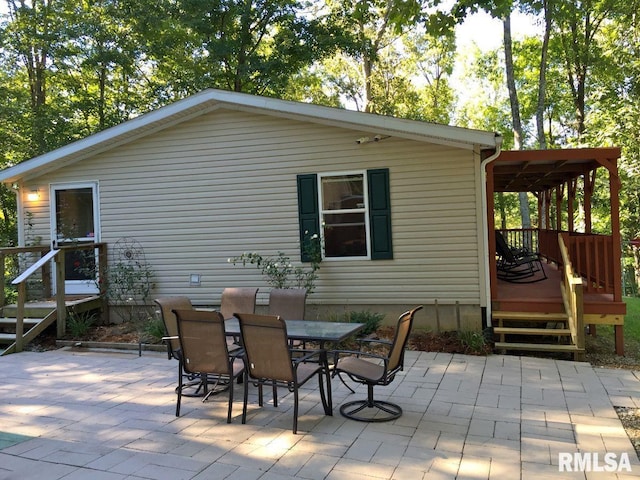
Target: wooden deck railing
pixel 591 256
pixel 42 266
pixel 20 283
pixel 572 295
pixel 526 238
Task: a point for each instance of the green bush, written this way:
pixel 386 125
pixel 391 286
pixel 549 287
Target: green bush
pixel 474 342
pixel 78 324
pixel 10 295
pixel 372 320
pixel 154 329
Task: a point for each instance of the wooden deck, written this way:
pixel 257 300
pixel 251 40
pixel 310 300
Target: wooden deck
pixel 545 297
pixel 75 303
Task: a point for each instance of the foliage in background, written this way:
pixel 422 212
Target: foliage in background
pixel 69 69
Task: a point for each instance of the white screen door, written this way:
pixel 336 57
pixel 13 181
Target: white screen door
pixel 74 220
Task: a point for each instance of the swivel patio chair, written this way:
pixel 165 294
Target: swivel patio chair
pixel 269 360
pixel 372 370
pixel 205 354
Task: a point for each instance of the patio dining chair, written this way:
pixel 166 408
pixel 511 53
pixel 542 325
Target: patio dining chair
pixel 167 305
pixel 237 300
pixel 205 354
pixel 289 304
pixel 234 300
pixel 269 360
pixel 372 369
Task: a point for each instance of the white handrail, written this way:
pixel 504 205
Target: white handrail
pixel 33 268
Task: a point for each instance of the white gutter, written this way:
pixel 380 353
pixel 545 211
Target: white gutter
pixel 485 224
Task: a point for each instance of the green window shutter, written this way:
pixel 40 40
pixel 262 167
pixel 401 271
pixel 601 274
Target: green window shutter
pixel 308 213
pixel 380 214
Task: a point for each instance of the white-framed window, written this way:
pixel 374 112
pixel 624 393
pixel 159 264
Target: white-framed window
pixel 344 215
pixel 350 211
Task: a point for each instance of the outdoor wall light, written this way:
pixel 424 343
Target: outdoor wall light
pixel 33 195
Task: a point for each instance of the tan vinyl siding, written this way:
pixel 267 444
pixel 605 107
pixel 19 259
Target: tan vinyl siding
pixel 223 183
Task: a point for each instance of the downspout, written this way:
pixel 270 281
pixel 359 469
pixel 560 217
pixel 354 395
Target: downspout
pixel 485 224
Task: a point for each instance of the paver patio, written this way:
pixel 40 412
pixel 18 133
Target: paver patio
pixel 73 415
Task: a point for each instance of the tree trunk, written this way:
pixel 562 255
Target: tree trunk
pixel 542 77
pixel 525 215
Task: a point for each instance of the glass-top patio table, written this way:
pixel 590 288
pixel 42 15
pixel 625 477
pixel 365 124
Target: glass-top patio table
pixel 308 330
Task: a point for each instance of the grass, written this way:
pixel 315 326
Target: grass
pixel 601 349
pixel 632 318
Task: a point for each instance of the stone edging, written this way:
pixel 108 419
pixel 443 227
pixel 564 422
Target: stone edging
pixel 112 345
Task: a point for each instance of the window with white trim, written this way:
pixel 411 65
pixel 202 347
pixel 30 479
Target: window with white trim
pixel 350 211
pixel 343 215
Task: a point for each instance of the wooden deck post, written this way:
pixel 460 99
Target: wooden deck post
pixel 61 305
pixel 102 281
pixel 579 356
pixel 22 298
pixel 559 195
pixel 3 259
pixel 619 334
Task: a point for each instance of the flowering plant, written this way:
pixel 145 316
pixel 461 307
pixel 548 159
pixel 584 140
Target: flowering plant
pixel 279 272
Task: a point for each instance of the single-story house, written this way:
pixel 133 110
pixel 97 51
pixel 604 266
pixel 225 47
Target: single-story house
pixel 399 205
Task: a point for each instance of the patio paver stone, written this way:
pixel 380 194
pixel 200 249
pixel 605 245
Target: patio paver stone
pixel 75 414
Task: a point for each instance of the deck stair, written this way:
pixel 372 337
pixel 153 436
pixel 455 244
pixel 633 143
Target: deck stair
pixel 538 332
pixel 38 316
pixel 33 325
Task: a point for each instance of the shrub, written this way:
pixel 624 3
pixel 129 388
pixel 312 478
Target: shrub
pixel 474 342
pixel 372 320
pixel 79 324
pixel 154 329
pixel 279 271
